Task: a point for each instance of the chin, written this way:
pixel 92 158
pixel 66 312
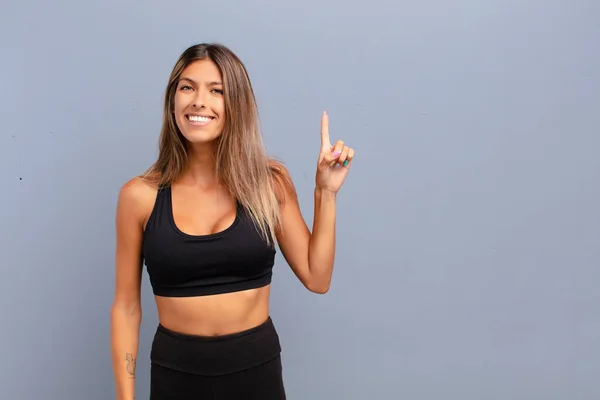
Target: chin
pixel 198 134
pixel 200 137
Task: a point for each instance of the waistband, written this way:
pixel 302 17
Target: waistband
pixel 215 355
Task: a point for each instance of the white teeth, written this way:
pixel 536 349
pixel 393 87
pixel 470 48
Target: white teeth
pixel 197 118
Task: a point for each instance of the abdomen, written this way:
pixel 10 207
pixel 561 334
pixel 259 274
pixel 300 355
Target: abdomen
pixel 212 315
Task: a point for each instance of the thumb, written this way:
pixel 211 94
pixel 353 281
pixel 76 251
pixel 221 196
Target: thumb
pixel 329 158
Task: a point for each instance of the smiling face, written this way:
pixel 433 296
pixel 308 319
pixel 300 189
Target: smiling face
pixel 199 105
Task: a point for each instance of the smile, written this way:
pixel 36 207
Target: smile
pixel 199 119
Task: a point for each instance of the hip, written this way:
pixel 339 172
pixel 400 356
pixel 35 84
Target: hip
pixel 215 355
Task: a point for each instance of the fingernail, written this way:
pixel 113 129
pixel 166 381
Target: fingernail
pixel 336 153
pixel 345 163
pixel 332 164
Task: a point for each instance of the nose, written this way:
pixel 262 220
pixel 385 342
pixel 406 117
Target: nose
pixel 199 100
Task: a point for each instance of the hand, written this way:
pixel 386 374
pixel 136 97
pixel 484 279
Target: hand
pixel 334 161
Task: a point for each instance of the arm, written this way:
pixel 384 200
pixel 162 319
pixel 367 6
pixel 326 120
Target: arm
pixel 126 311
pixel 311 256
pixel 296 241
pixel 321 250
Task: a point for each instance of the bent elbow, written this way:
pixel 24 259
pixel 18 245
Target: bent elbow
pixel 318 289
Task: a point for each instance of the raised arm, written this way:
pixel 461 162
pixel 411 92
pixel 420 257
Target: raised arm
pixel 126 312
pixel 311 255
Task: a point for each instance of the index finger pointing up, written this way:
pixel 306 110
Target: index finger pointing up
pixel 325 143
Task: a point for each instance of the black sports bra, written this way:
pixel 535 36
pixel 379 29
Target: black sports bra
pixel 181 265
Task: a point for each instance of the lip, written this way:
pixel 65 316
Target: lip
pixel 199 115
pixel 199 123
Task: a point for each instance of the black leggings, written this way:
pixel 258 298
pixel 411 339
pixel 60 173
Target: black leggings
pixel 244 365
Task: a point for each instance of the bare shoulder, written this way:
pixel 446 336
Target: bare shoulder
pixel 282 181
pixel 134 206
pixel 137 197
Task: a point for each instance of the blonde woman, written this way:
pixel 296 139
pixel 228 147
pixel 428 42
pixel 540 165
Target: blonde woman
pixel 205 219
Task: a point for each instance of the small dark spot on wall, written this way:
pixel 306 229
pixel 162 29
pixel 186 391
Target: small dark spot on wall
pixel 20 179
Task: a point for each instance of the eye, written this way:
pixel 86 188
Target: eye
pixel 185 87
pixel 220 91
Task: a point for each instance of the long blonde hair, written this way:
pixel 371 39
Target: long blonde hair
pixel 242 164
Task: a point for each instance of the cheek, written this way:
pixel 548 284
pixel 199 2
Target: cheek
pixel 221 109
pixel 177 104
pixel 219 106
pixel 222 116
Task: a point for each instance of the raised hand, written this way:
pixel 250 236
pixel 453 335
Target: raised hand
pixel 334 160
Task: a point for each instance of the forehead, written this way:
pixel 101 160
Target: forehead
pixel 202 70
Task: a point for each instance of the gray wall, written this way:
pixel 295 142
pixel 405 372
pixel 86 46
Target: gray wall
pixel 468 252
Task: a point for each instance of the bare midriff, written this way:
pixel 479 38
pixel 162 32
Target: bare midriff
pixel 214 315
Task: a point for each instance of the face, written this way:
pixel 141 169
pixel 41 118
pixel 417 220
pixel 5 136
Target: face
pixel 199 107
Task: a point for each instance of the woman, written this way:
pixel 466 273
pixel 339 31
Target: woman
pixel 205 219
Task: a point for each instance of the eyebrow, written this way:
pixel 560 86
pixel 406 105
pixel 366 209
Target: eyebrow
pixel 194 82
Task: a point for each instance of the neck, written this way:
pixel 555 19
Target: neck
pixel 201 169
